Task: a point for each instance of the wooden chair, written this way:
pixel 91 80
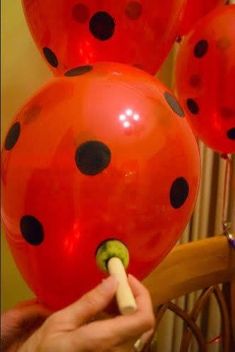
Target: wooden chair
pixel 202 264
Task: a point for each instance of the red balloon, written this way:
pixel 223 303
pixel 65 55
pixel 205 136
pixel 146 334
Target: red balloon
pixel 103 153
pixel 194 11
pixel 69 33
pixel 205 79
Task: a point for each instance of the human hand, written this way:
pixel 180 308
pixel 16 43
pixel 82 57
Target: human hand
pixel 72 329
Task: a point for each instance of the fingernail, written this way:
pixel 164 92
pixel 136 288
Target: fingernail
pixel 108 283
pixel 139 345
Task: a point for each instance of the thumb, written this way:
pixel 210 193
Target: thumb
pixel 89 305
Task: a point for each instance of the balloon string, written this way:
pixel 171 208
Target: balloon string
pixel 226 224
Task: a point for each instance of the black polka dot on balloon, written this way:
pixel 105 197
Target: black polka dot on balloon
pixel 77 71
pixel 174 104
pixel 133 10
pixel 12 136
pixel 179 192
pixel 178 39
pixel 80 13
pixel 201 48
pixel 50 56
pixel 195 81
pixel 102 25
pixel 227 112
pixel 32 113
pixel 231 133
pixel 31 230
pixel 223 43
pixel 192 105
pixel 92 157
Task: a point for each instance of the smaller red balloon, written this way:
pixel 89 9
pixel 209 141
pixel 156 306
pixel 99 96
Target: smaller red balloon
pixel 205 79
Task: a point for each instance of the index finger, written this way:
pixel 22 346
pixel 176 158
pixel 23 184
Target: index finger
pixel 143 319
pixel 141 294
pixel 122 328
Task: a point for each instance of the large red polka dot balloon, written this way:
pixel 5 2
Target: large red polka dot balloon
pixel 104 153
pixel 69 33
pixel 194 11
pixel 205 79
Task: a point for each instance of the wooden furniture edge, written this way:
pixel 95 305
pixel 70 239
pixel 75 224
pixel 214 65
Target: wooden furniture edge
pixel 192 266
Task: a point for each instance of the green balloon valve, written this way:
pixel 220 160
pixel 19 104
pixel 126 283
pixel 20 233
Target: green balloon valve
pixel 112 256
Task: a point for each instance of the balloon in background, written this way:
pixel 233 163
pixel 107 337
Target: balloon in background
pixel 104 153
pixel 69 33
pixel 205 79
pixel 194 11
